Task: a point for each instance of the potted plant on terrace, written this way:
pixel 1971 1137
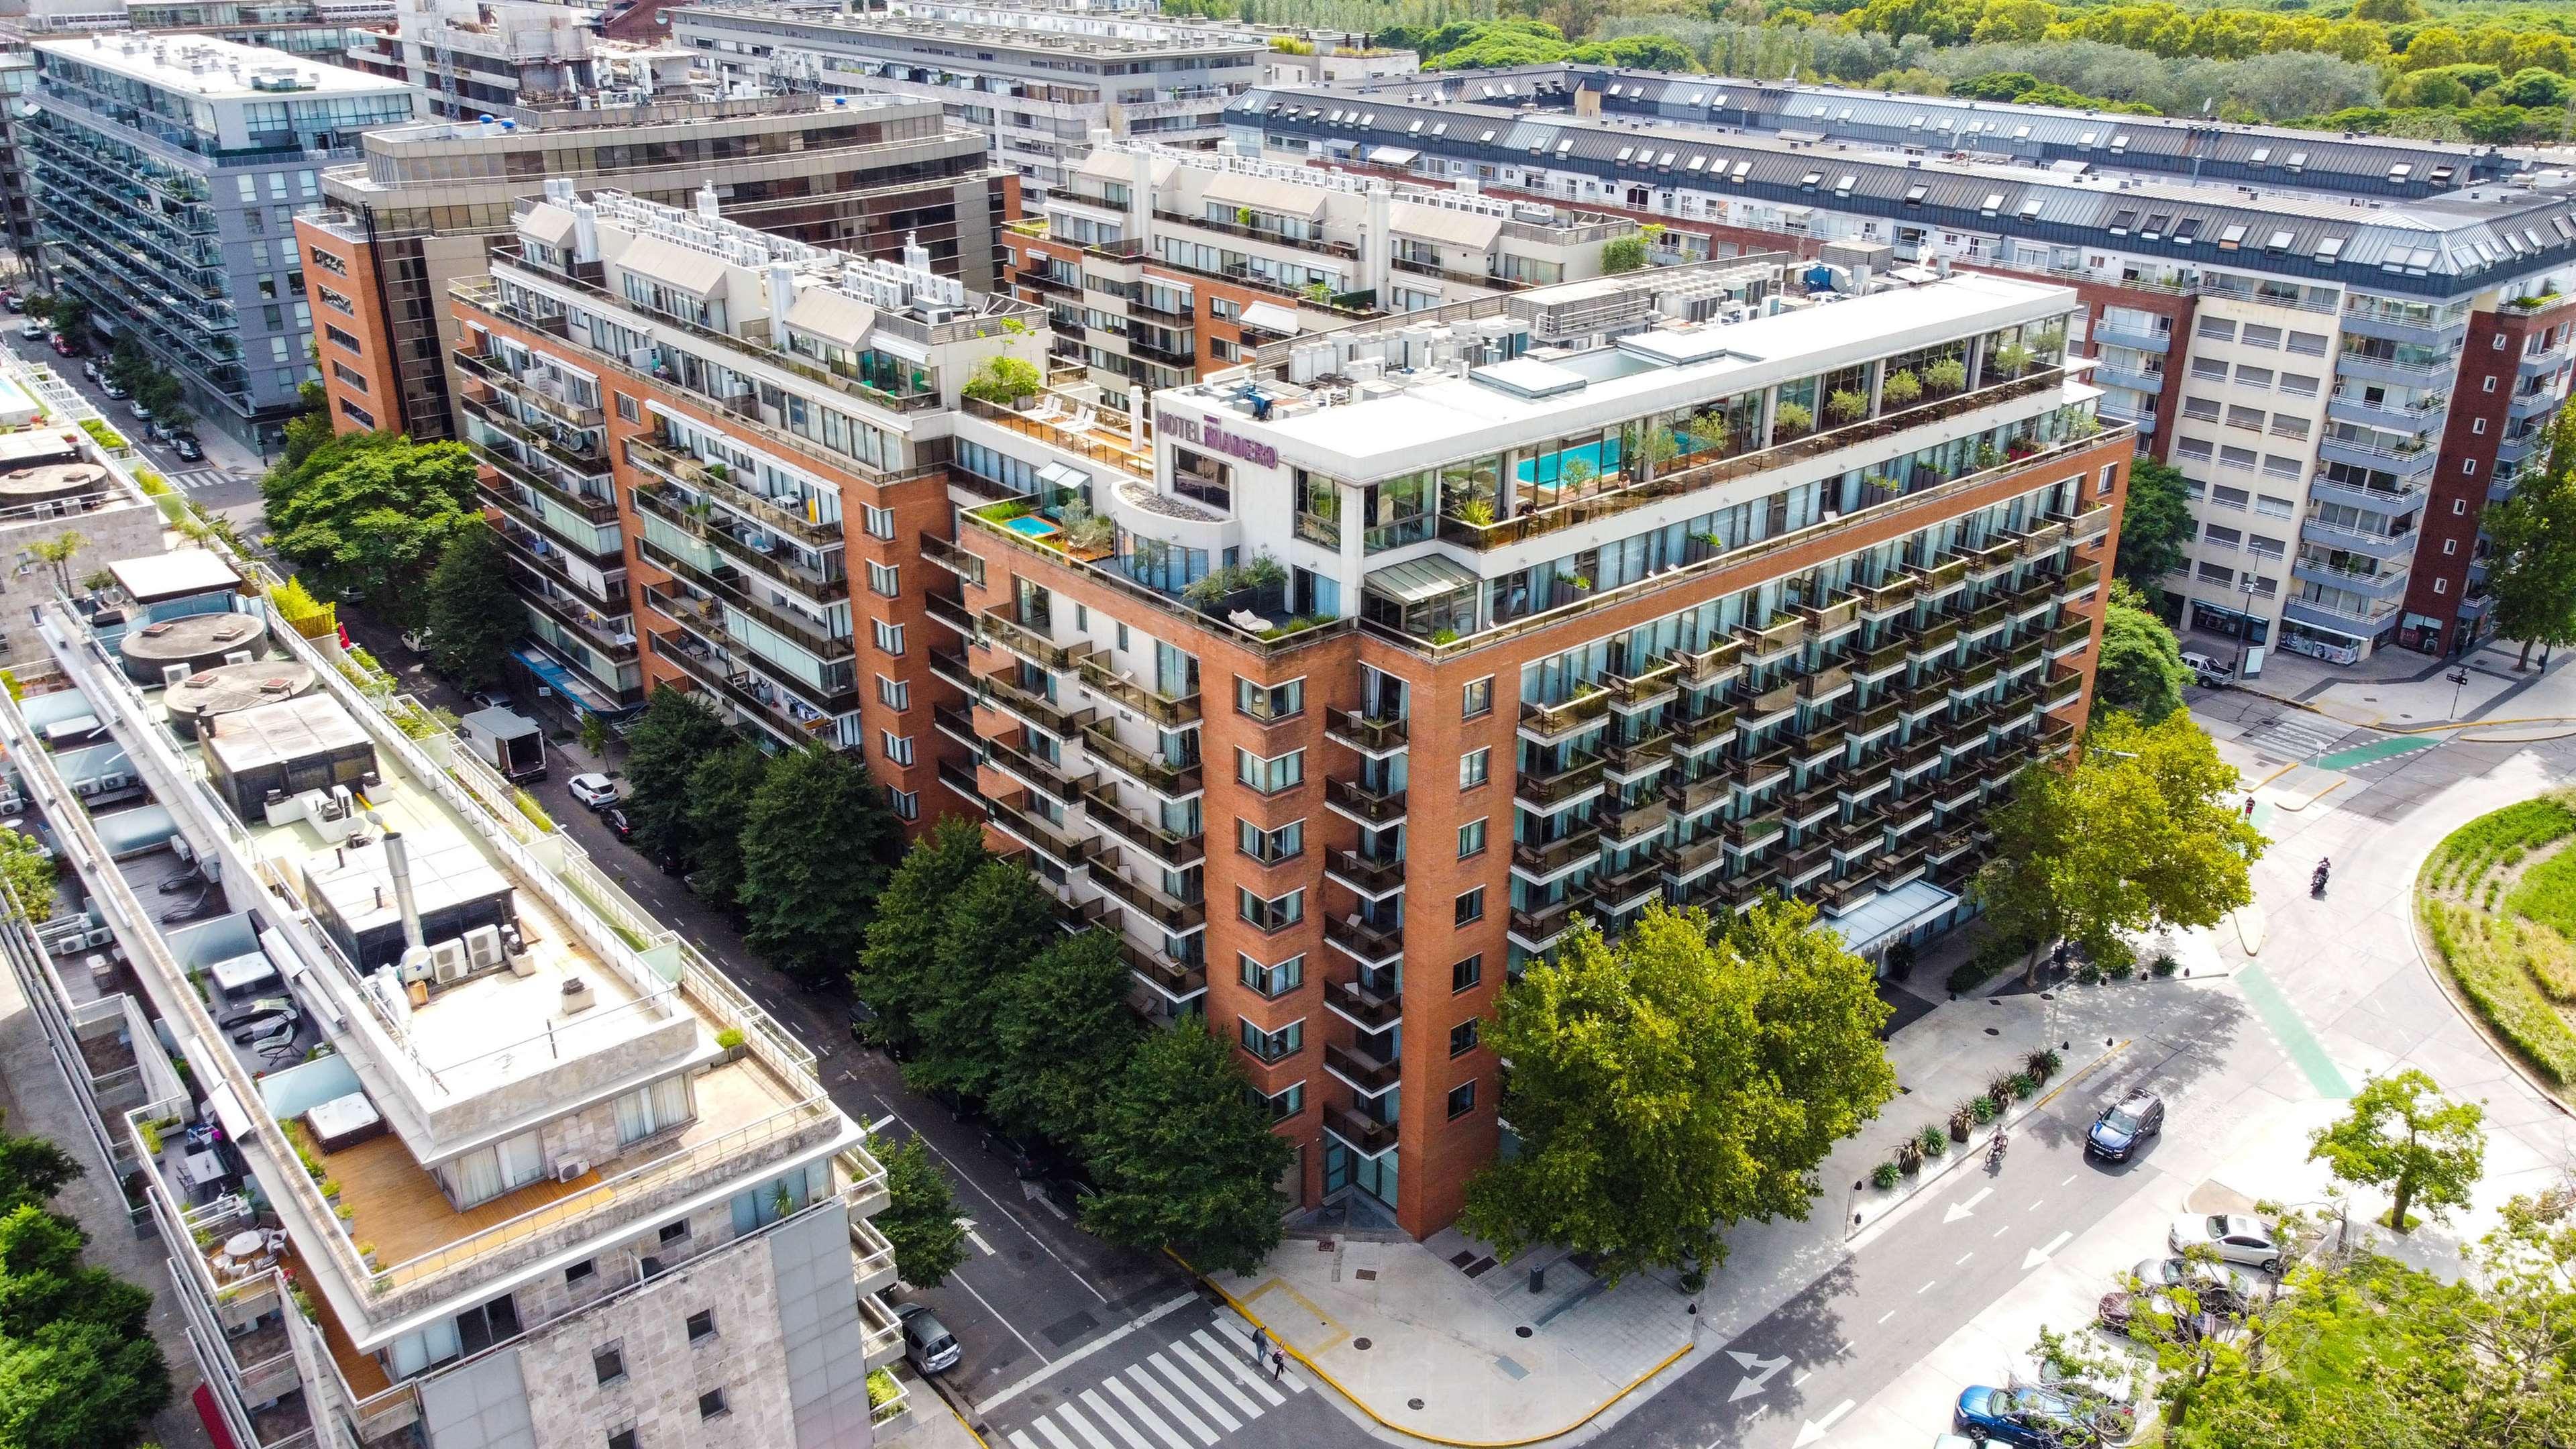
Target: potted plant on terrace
pixel 1946 376
pixel 1847 405
pixel 1902 389
pixel 1790 420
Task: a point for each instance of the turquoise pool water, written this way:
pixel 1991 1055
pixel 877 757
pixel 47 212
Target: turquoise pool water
pixel 1031 525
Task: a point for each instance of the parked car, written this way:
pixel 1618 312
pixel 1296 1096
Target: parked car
pixel 2209 672
pixel 1030 1158
pixel 63 346
pixel 2238 1237
pixel 185 449
pixel 2032 1417
pixel 1068 1190
pixel 141 413
pixel 15 302
pixel 89 369
pixel 2216 1286
pixel 2125 1125
pixel 109 386
pixel 616 820
pixel 2108 1402
pixel 2119 1312
pixel 34 329
pixel 926 1340
pixel 593 789
pixel 490 699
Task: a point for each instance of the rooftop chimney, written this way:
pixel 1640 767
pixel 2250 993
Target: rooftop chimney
pixel 707 201
pixel 398 865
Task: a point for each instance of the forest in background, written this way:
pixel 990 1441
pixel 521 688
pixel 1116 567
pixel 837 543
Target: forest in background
pixel 2478 71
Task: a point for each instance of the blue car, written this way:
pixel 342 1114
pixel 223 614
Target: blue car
pixel 2034 1418
pixel 2124 1125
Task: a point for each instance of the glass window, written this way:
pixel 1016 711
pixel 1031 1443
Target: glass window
pixel 1462 1099
pixel 1271 913
pixel 1271 775
pixel 1471 905
pixel 1479 697
pixel 1272 980
pixel 1474 768
pixel 1271 846
pixel 1467 973
pixel 1471 838
pixel 1271 1046
pixel 1462 1037
pixel 1272 702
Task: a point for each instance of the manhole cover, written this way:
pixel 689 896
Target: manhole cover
pixel 1413 1403
pixel 1523 1331
pixel 1365 1275
pixel 1359 1343
pixel 1994 1031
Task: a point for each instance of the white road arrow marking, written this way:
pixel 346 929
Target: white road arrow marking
pixel 1815 1430
pixel 1960 1210
pixel 1757 1375
pixel 2037 1256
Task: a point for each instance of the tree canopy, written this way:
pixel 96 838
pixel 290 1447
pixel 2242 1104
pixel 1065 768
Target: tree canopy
pixel 30 873
pixel 2404 1135
pixel 474 611
pixel 368 515
pixel 1678 1081
pixel 675 732
pixel 1062 1028
pixel 2154 526
pixel 719 797
pixel 894 968
pixel 2531 563
pixel 79 1368
pixel 920 1218
pixel 2141 830
pixel 2140 669
pixel 990 928
pixel 1183 1156
pixel 817 844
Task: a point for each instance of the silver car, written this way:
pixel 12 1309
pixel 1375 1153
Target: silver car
pixel 926 1340
pixel 2238 1238
pixel 2215 1285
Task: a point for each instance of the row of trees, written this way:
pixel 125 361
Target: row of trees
pixel 989 1000
pixel 797 845
pixel 79 1368
pixel 2531 541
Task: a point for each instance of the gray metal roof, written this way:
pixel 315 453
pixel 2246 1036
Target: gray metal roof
pixel 2438 245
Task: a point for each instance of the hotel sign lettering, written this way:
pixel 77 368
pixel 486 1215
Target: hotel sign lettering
pixel 1208 432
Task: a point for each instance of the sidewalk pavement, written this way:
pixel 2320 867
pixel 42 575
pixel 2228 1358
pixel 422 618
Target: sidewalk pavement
pixel 2402 690
pixel 1438 1340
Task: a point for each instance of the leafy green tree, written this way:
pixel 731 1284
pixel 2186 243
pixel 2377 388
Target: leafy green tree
pixel 2404 1135
pixel 78 1365
pixel 2531 563
pixel 308 430
pixel 894 972
pixel 1063 1030
pixel 32 1169
pixel 1184 1156
pixel 920 1218
pixel 719 795
pixel 993 925
pixel 30 875
pixel 56 553
pixel 1676 1082
pixel 2154 526
pixel 2141 669
pixel 1623 254
pixel 474 614
pixel 817 845
pixel 2141 830
pixel 368 517
pixel 675 731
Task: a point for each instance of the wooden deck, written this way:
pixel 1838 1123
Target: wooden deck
pixel 399 1208
pixel 364 1375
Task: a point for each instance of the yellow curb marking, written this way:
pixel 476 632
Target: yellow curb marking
pixel 1322 1319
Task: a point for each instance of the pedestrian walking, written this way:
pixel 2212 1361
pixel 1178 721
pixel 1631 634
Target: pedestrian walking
pixel 1278 1365
pixel 1260 1344
pixel 2249 807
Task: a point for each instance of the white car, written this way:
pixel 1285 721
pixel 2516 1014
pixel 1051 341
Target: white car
pixel 2216 1286
pixel 2238 1237
pixel 34 330
pixel 594 790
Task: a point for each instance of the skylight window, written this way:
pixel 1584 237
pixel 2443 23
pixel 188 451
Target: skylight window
pixel 2400 171
pixel 2278 242
pixel 2261 156
pixel 1914 195
pixel 2329 249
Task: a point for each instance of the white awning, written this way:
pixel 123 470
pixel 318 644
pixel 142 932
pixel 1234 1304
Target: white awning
pixel 1280 198
pixel 1393 156
pixel 1419 581
pixel 548 223
pixel 667 262
pixel 1472 230
pixel 832 316
pixel 1271 317
pixel 1061 475
pixel 228 1111
pixel 1889 914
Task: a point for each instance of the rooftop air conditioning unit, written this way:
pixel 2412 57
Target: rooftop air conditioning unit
pixel 570 1168
pixel 448 963
pixel 174 673
pixel 483 946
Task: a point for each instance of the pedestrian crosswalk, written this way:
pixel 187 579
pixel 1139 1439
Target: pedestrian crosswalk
pixel 195 479
pixel 1183 1396
pixel 2295 735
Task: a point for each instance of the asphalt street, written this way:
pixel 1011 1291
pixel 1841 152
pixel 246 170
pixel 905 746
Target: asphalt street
pixel 1034 1287
pixel 226 479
